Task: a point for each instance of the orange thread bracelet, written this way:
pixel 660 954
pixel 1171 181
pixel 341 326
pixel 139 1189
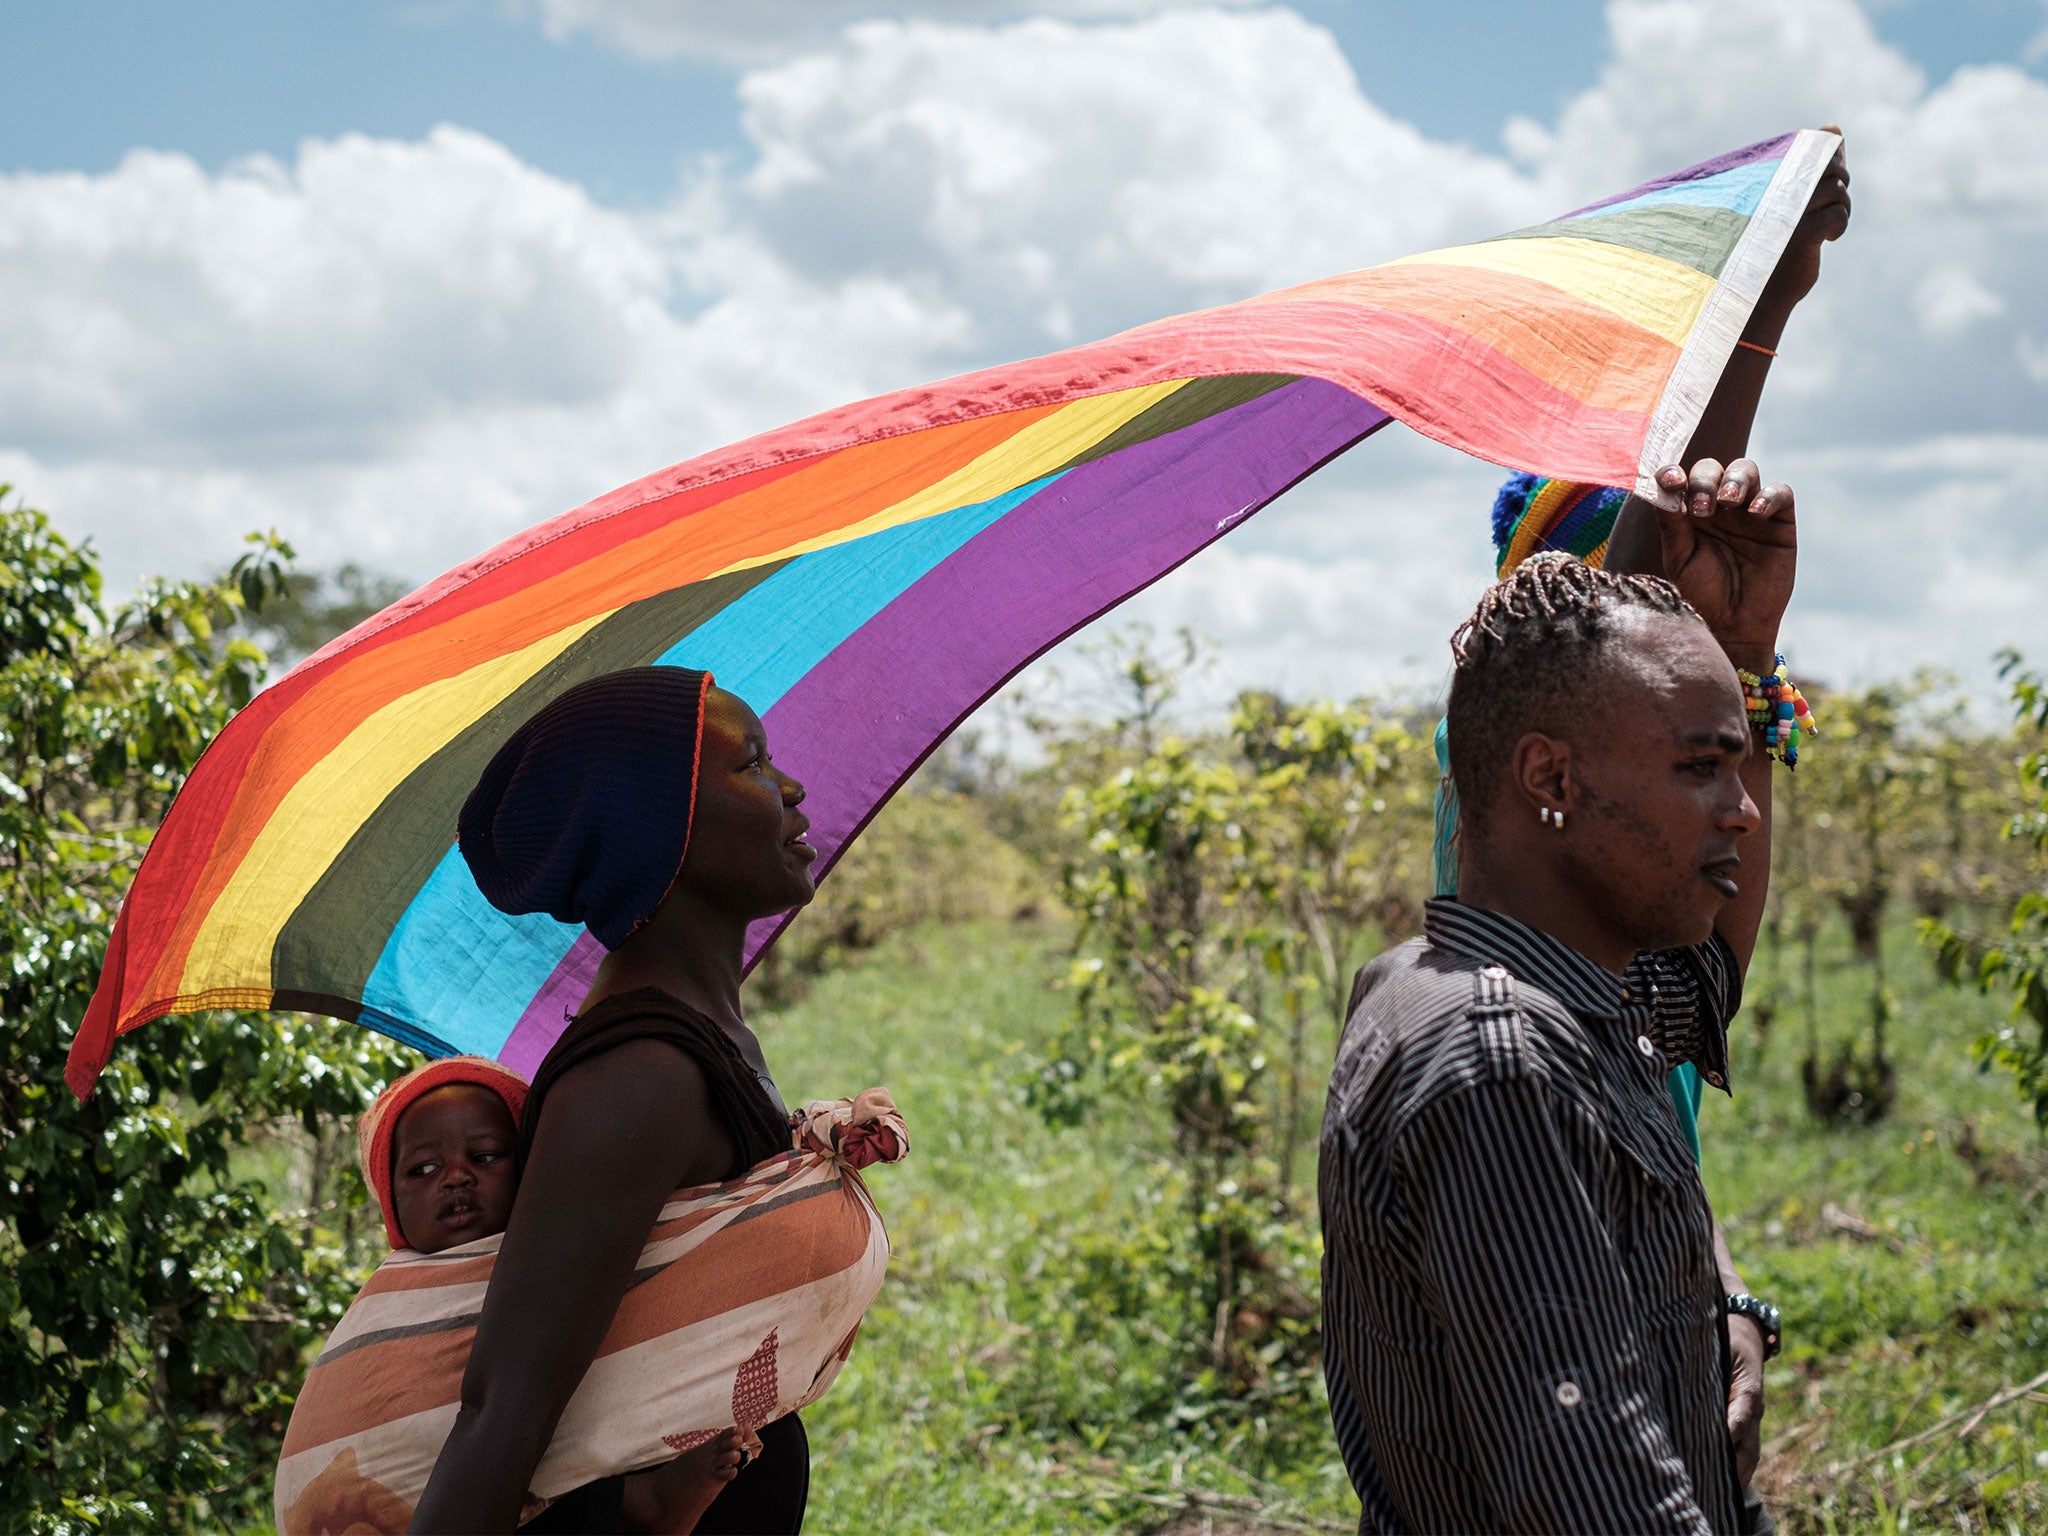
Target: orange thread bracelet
pixel 1767 352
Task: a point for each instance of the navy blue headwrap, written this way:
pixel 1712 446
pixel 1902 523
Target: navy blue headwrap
pixel 585 812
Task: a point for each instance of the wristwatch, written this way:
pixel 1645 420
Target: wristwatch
pixel 1762 1313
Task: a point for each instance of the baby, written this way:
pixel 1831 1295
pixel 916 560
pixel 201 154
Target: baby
pixel 438 1150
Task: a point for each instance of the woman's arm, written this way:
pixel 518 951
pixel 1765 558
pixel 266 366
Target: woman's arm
pixel 617 1134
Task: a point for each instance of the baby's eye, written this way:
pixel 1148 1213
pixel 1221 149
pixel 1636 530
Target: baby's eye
pixel 487 1157
pixel 422 1170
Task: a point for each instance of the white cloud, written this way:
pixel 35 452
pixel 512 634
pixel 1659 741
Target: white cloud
pixel 298 312
pixel 400 352
pixel 1949 301
pixel 396 353
pixel 1064 181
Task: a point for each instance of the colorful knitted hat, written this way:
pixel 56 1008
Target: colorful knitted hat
pixel 374 1132
pixel 1532 513
pixel 585 812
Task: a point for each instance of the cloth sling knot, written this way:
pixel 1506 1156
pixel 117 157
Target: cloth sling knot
pixel 859 1132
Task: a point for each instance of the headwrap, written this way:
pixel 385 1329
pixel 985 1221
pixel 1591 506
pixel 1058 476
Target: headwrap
pixel 374 1132
pixel 585 812
pixel 1532 513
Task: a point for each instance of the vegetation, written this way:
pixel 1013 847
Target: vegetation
pixel 155 1304
pixel 1103 977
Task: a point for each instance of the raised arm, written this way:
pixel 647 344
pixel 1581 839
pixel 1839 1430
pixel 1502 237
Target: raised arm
pixel 1567 1428
pixel 1723 432
pixel 617 1135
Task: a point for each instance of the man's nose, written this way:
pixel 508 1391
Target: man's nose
pixel 1741 816
pixel 792 792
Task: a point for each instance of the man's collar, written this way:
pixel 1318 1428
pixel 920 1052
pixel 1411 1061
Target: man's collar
pixel 1528 953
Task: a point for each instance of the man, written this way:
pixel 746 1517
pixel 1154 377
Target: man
pixel 1523 1307
pixel 1532 515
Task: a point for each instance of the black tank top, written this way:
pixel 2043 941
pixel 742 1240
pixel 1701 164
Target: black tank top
pixel 757 1129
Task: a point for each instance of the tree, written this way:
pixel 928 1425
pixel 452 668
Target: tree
pixel 1340 808
pixel 2018 961
pixel 1225 885
pixel 154 1311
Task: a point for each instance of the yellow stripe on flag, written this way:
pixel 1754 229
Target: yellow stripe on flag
pixel 1032 451
pixel 333 799
pixel 1662 296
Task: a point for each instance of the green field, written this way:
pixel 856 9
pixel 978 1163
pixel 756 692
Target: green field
pixel 1019 1372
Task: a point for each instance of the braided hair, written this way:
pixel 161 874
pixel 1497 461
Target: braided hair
pixel 1529 657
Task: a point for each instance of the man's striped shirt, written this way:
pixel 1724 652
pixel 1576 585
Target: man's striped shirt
pixel 1521 1310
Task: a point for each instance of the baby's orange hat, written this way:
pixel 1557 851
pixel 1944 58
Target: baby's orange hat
pixel 380 1122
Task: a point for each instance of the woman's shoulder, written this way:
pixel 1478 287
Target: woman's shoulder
pixel 640 1030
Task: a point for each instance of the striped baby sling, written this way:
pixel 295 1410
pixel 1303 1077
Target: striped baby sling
pixel 744 1306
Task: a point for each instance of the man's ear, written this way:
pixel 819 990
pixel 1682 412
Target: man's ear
pixel 1540 774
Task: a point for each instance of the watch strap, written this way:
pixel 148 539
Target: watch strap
pixel 1763 1314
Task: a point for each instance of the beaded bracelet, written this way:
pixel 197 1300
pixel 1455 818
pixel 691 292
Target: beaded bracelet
pixel 1778 710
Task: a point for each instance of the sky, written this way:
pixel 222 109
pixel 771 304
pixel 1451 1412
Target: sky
pixel 398 279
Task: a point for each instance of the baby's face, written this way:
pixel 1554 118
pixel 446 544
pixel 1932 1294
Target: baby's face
pixel 451 1167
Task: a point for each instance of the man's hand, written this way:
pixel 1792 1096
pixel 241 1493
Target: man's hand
pixel 1732 550
pixel 1746 1395
pixel 1825 219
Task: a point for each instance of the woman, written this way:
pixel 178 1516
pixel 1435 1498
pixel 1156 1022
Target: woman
pixel 643 804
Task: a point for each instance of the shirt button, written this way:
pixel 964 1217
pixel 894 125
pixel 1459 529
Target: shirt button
pixel 1643 1045
pixel 1494 972
pixel 1568 1394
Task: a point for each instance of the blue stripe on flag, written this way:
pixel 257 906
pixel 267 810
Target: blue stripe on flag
pixel 456 961
pixel 1739 190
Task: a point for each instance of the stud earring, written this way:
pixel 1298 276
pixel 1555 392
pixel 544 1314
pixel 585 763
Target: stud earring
pixel 1543 811
pixel 1557 820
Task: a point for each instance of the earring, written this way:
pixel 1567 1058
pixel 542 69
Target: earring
pixel 1551 818
pixel 1543 812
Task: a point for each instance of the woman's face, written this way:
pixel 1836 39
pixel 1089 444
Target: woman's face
pixel 748 851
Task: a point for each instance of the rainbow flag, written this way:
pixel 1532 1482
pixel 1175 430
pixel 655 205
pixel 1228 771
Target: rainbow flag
pixel 865 578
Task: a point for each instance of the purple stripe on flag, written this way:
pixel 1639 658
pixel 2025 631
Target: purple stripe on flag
pixel 1046 568
pixel 541 1025
pixel 1763 149
pixel 860 721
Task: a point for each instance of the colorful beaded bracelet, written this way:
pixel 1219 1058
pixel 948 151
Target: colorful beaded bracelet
pixel 1778 710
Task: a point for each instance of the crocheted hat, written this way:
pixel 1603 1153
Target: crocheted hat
pixel 585 812
pixel 379 1124
pixel 1533 513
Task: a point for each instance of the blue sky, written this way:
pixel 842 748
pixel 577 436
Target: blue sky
pixel 399 279
pixel 238 77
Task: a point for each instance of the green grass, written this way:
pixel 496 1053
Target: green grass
pixel 1914 1284
pixel 1017 1373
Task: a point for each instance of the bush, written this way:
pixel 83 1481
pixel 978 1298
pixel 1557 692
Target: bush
pixel 155 1307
